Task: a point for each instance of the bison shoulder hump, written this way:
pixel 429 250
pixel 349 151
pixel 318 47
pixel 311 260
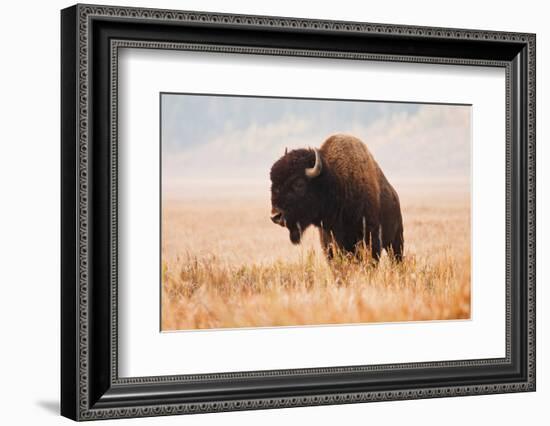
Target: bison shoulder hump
pixel 351 162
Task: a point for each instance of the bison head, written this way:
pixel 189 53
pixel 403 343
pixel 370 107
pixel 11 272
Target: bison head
pixel 295 190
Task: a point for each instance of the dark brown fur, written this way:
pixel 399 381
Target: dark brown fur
pixel 350 202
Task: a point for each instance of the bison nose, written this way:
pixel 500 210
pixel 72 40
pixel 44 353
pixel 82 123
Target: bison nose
pixel 277 217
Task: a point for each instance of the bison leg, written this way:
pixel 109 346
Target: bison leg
pixel 376 246
pixel 329 251
pixel 398 245
pixel 327 242
pixel 372 241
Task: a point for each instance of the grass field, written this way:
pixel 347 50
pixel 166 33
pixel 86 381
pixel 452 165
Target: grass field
pixel 224 264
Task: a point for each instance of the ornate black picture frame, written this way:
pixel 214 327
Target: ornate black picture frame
pixel 90 385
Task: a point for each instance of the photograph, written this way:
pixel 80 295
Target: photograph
pixel 283 211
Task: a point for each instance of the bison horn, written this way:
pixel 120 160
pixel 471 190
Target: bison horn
pixel 312 172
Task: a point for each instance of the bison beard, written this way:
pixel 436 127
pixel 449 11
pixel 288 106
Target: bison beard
pixel 295 233
pixel 340 189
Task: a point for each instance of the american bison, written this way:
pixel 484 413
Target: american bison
pixel 340 189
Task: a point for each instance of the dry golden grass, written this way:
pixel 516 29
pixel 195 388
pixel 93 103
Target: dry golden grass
pixel 226 265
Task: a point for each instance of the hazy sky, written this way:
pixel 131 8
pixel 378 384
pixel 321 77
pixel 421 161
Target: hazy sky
pixel 237 139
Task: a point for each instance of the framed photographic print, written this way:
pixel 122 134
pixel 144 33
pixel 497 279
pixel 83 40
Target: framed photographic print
pixel 263 212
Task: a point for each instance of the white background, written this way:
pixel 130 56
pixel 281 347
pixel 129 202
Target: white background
pixel 146 352
pixel 29 225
